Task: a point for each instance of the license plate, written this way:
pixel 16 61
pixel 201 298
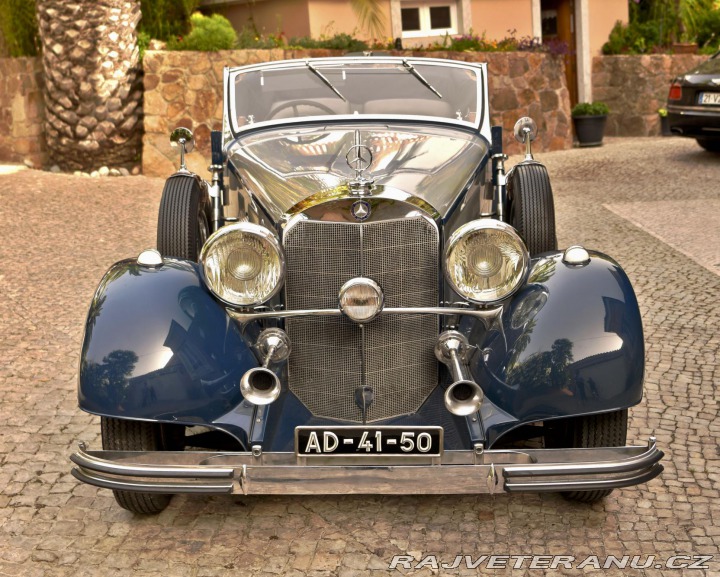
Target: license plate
pixel 710 98
pixel 368 441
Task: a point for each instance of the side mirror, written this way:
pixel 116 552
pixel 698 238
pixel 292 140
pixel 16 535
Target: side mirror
pixel 182 138
pixel 525 132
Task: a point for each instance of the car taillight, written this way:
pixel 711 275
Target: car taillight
pixel 675 92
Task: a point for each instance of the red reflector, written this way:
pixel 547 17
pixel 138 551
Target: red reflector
pixel 675 92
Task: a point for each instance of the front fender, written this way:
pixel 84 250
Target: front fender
pixel 569 343
pixel 158 346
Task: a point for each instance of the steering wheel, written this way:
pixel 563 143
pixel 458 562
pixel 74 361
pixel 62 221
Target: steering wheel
pixel 294 105
pixel 302 139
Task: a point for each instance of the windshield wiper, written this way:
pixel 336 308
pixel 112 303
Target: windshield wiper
pixel 411 69
pixel 322 77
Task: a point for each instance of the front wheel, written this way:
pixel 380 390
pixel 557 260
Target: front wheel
pixel 588 431
pixel 123 435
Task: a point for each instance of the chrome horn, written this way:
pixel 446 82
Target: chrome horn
pixel 261 386
pixel 464 396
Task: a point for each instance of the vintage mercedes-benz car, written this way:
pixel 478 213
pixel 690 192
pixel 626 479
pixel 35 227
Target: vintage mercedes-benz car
pixel 361 300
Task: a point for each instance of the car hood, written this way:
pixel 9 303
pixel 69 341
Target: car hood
pixel 283 167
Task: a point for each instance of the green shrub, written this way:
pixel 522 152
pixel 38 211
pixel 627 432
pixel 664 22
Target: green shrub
pixel 633 38
pixel 208 34
pixel 474 43
pixel 343 41
pixel 707 26
pixel 143 42
pixel 590 109
pixel 250 38
pixel 19 27
pixel 166 19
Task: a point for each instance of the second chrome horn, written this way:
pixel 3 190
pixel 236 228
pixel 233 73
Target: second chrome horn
pixel 464 396
pixel 260 385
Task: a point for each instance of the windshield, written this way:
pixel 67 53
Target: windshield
pixel 377 87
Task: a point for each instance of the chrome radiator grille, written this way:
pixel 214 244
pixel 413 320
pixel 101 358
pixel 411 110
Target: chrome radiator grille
pixel 332 356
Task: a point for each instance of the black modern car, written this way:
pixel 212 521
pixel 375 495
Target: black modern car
pixel 694 104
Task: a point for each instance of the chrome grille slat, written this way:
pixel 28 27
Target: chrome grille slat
pixel 325 366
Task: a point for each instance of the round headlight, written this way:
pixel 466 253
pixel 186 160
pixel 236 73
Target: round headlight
pixel 243 264
pixel 361 299
pixel 485 261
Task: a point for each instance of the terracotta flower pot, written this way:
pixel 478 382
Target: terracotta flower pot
pixel 685 48
pixel 589 130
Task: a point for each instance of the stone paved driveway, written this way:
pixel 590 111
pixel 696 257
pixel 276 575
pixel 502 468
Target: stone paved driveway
pixel 59 233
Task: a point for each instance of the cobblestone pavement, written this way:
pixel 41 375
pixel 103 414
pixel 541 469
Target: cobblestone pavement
pixel 60 233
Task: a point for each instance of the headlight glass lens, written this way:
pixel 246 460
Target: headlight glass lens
pixel 361 299
pixel 243 264
pixel 485 261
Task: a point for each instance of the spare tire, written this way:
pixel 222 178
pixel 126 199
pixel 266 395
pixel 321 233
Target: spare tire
pixel 531 210
pixel 183 218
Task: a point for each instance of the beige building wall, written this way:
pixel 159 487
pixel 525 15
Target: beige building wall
pixel 493 17
pixel 329 17
pixel 602 17
pixel 291 17
pixel 496 17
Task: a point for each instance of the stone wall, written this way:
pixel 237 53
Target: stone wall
pixel 22 111
pixel 635 87
pixel 185 89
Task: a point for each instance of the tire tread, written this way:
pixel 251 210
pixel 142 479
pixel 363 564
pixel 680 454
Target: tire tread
pixel 177 218
pixel 604 430
pixel 532 208
pixel 123 435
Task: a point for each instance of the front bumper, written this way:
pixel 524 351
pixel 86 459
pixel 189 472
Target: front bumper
pixel 456 472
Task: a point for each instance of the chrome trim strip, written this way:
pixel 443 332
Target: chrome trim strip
pixel 487 316
pixel 114 483
pixel 693 109
pixel 647 459
pixel 456 472
pixel 589 485
pixel 87 460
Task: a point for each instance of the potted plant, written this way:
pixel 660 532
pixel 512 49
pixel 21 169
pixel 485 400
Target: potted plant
pixel 589 122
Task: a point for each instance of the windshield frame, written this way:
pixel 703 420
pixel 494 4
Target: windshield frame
pixel 481 124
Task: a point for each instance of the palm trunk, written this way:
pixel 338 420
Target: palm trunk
pixel 93 85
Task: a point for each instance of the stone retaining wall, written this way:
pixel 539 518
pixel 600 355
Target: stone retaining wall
pixel 635 87
pixel 185 89
pixel 22 111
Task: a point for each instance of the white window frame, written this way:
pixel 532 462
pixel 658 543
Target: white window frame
pixel 424 8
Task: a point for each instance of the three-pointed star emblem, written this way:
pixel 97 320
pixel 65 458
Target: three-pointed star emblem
pixel 360 209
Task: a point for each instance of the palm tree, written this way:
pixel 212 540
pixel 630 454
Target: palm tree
pixel 370 17
pixel 93 86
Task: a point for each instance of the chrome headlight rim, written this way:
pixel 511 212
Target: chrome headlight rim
pixel 266 235
pixel 361 282
pixel 473 227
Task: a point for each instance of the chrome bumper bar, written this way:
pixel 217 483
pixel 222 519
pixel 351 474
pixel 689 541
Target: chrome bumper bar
pixel 456 472
pixel 488 316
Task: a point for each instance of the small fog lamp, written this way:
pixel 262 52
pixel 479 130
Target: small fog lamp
pixel 361 299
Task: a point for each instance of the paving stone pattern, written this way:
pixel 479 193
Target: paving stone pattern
pixel 61 232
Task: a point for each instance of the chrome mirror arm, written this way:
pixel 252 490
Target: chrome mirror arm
pixel 525 132
pixel 182 138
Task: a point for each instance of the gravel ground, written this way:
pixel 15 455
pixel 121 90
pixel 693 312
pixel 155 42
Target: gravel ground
pixel 650 203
